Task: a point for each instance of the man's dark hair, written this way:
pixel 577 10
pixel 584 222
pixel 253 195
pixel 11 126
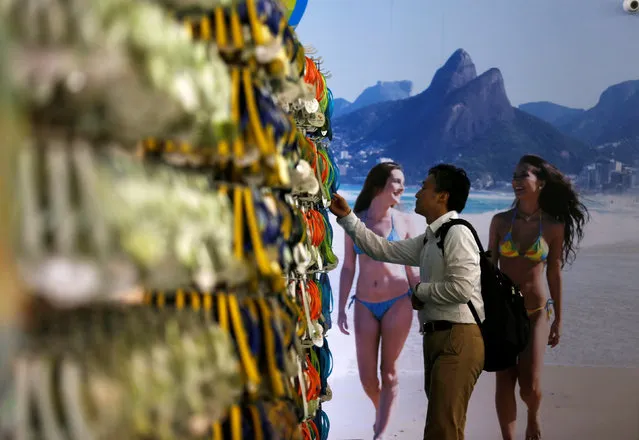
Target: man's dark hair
pixel 455 182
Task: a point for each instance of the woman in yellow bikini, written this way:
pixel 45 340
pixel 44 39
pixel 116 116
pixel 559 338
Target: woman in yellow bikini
pixel 383 311
pixel 538 236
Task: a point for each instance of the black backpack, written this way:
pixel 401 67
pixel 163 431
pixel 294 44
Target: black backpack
pixel 506 328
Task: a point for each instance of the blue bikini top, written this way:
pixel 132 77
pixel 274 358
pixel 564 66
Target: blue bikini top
pixel 393 236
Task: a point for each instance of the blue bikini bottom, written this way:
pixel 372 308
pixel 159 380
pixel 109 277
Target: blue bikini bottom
pixel 378 309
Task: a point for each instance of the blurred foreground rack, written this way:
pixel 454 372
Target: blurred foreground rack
pixel 167 242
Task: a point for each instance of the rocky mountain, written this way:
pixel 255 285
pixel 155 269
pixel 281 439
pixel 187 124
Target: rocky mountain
pixel 462 118
pixel 615 117
pixel 550 112
pixel 611 126
pixel 381 92
pixel 340 106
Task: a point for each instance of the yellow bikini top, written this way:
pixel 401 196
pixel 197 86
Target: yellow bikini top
pixel 537 252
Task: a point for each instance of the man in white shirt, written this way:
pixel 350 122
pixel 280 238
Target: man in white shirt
pixel 453 344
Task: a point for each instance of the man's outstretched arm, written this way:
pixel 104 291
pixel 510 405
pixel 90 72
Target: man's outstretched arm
pixel 405 252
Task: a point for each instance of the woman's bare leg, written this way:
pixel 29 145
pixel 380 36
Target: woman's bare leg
pixel 367 335
pixel 531 362
pixel 505 402
pixel 396 324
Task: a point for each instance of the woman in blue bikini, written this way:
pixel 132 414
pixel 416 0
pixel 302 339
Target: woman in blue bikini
pixel 383 312
pixel 535 238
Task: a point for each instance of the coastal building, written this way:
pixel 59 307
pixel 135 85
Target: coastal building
pixel 608 175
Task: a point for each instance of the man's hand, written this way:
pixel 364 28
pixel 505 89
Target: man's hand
pixel 339 206
pixel 416 302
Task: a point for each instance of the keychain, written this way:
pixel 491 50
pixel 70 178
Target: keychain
pixel 314 329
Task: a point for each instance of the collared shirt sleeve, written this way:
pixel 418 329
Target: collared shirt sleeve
pixel 405 252
pixel 462 273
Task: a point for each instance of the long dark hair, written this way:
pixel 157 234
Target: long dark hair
pixel 374 183
pixel 559 200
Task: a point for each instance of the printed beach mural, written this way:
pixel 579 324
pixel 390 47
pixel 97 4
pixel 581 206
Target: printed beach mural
pixel 479 84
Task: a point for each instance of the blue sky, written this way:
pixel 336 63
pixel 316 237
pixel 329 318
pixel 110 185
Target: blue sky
pixel 564 51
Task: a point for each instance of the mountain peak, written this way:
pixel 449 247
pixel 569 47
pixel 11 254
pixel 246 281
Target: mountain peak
pixel 381 92
pixel 393 87
pixel 460 56
pixel 493 79
pixel 458 71
pixel 494 74
pixel 472 109
pixel 613 95
pixel 489 87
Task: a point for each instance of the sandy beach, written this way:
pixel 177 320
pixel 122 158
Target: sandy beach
pixel 586 403
pixel 590 383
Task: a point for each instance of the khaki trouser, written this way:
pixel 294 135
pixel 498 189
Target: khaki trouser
pixel 453 361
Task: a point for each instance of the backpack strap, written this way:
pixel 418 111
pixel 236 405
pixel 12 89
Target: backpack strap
pixel 441 233
pixel 443 230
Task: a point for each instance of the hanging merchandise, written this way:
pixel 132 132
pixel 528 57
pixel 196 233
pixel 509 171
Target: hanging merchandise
pixel 109 76
pixel 312 115
pixel 108 381
pixel 122 86
pixel 146 225
pixel 314 179
pixel 278 174
pixel 295 9
pixel 192 165
pixel 92 223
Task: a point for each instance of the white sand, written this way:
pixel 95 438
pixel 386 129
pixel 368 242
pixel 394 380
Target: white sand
pixel 585 403
pixel 601 312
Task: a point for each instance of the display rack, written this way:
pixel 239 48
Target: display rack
pixel 214 202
